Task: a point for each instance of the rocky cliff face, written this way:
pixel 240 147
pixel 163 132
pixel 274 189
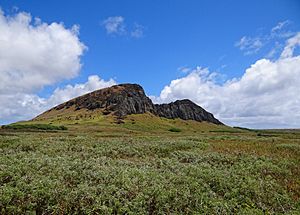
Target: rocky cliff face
pixel 185 109
pixel 124 99
pixel 119 100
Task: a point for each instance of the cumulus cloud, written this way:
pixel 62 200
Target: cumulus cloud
pixel 34 54
pixel 24 106
pixel 19 106
pixel 266 96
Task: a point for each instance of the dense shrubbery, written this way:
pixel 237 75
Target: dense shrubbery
pixel 50 174
pixel 34 126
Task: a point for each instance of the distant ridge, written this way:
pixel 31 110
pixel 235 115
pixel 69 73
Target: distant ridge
pixel 125 99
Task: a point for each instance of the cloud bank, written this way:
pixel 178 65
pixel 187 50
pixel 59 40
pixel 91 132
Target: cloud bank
pixel 266 96
pixel 24 106
pixel 34 54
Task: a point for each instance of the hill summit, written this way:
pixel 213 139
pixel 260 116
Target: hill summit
pixel 125 99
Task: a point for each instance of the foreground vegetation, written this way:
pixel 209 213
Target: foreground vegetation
pixel 134 172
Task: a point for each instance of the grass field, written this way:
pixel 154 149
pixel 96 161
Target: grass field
pixel 138 167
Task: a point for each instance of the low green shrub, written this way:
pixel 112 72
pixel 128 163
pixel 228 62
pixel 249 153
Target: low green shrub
pixel 34 126
pixel 86 173
pixel 289 146
pixel 175 129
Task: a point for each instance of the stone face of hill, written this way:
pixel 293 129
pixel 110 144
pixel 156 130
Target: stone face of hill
pixel 185 109
pixel 125 99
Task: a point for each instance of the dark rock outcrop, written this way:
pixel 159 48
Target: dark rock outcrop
pixel 120 100
pixel 185 109
pixel 124 99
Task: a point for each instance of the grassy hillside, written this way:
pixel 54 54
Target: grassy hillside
pixel 97 166
pixel 95 121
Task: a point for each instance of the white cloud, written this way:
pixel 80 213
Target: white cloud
pixel 290 46
pixel 114 25
pixel 279 29
pixel 33 55
pixel 138 31
pixel 276 48
pixel 19 106
pixel 23 106
pixel 251 45
pixel 267 95
pixel 184 69
pixel 280 25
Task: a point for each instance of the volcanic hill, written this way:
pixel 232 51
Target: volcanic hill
pixel 126 99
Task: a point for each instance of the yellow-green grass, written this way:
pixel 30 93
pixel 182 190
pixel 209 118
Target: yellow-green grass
pixel 85 121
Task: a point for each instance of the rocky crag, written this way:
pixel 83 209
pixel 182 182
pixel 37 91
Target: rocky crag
pixel 125 99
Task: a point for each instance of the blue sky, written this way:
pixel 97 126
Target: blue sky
pixel 172 35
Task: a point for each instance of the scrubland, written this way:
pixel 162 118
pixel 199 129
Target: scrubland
pixel 138 167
